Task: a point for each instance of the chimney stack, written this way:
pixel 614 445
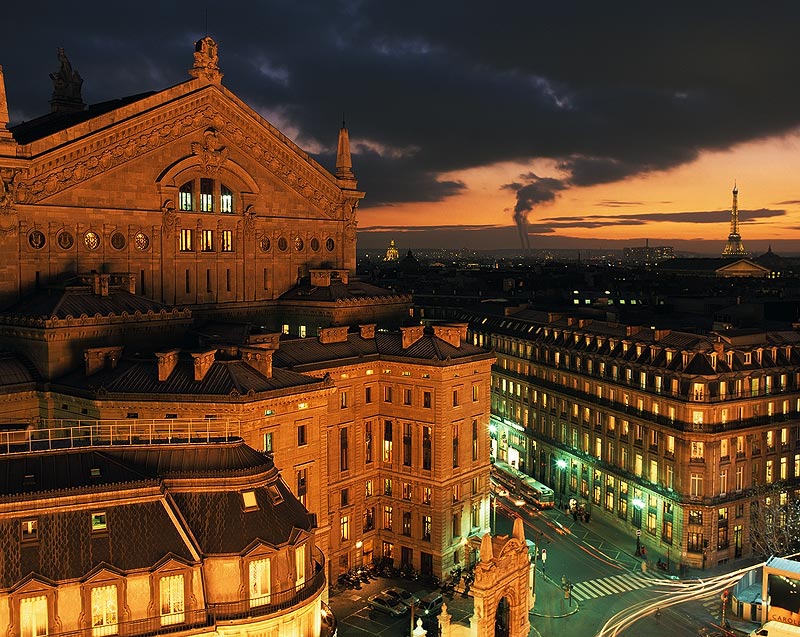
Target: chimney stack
pixel 367 330
pixel 202 363
pixel 411 334
pixel 167 361
pixel 259 359
pixel 333 334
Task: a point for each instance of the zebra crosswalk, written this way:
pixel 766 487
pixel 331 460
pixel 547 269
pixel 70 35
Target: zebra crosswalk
pixel 614 585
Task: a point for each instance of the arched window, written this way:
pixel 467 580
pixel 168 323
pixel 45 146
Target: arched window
pixel 214 196
pixel 206 195
pixel 225 199
pixel 186 196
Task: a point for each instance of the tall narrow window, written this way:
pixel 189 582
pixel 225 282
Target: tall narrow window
pixel 208 280
pixel 259 582
pixel 344 455
pixel 206 195
pixel 172 608
pixel 387 441
pixel 186 240
pixel 368 442
pixel 407 444
pixel 186 195
pixel 228 279
pixel 33 616
pixel 474 440
pixel 302 485
pixel 225 199
pixel 300 564
pixel 206 240
pixel 455 446
pixel 226 242
pixel 104 610
pixel 426 448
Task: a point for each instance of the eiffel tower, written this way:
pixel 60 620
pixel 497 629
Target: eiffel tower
pixel 734 246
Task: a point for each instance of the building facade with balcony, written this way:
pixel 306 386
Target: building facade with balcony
pixel 676 436
pixel 119 537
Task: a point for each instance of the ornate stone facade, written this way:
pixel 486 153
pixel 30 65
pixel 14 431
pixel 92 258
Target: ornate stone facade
pixel 180 187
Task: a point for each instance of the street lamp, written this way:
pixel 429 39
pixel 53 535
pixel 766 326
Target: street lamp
pixel 638 505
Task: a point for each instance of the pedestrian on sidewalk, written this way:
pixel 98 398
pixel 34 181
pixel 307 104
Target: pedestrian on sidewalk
pixel 658 615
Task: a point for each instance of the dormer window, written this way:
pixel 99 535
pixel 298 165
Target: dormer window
pixel 249 500
pixel 30 530
pixel 99 521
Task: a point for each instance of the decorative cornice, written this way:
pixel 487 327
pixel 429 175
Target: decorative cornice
pixel 74 163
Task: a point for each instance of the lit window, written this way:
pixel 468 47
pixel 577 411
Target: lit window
pixel 249 499
pixel 344 525
pixel 206 195
pixel 172 604
pixel 185 196
pixel 33 616
pixel 300 565
pixel 259 582
pixel 99 521
pixel 207 240
pixel 30 530
pixel 226 243
pixel 186 240
pixel 104 611
pixel 225 199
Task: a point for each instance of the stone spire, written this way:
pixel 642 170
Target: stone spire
pixel 206 61
pixel 344 162
pixel 734 246
pixel 67 85
pixel 5 134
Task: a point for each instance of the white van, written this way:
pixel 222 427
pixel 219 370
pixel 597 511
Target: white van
pixel 776 629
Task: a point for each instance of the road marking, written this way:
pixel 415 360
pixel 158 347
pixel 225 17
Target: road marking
pixel 614 585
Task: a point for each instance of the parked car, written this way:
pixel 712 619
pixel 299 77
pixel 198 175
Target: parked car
pixel 401 594
pixel 389 605
pixel 430 605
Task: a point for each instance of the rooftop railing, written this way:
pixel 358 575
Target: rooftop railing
pixel 49 435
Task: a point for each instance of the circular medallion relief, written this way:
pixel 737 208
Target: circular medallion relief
pixel 282 244
pixel 315 244
pixel 329 244
pixel 91 240
pixel 265 244
pixel 298 244
pixel 118 240
pixel 65 240
pixel 141 241
pixel 36 239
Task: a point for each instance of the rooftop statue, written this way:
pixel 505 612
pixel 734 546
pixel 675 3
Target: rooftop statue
pixel 66 86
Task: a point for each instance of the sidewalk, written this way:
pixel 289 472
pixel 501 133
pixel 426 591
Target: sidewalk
pixel 550 600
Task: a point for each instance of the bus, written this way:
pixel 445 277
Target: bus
pixel 522 485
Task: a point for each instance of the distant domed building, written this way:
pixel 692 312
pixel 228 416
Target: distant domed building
pixel 391 252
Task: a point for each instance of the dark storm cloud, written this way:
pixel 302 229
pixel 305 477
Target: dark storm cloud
pixel 605 91
pixel 703 217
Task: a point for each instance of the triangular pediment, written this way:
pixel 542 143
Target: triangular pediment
pixel 101 573
pixel 205 123
pixel 743 265
pixel 170 562
pixel 33 583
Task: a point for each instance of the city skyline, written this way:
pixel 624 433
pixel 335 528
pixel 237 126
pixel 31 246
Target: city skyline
pixel 592 124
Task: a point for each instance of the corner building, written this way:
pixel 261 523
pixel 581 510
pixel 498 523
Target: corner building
pixel 114 538
pixel 172 263
pixel 675 437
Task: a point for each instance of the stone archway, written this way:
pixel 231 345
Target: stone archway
pixel 501 594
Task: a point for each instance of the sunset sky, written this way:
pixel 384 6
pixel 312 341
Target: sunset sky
pixel 599 123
